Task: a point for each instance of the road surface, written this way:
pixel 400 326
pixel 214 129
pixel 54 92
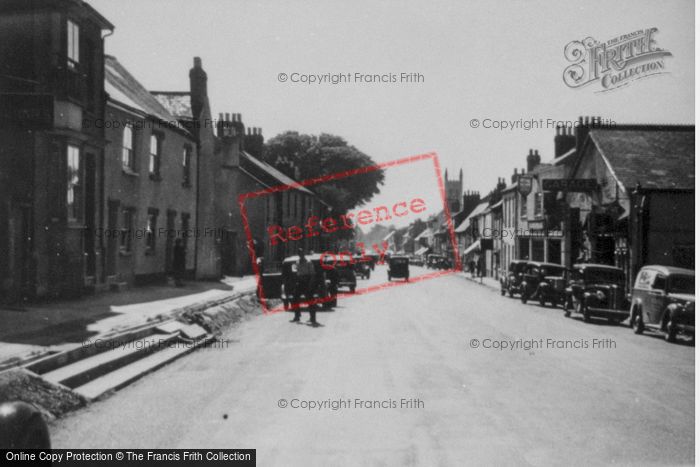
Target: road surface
pixel 588 394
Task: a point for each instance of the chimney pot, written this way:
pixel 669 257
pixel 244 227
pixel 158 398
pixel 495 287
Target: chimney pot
pixel 197 62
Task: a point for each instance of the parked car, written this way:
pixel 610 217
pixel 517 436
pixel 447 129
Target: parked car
pixel 432 261
pixel 374 259
pixel 362 266
pixel 282 284
pixel 545 282
pixel 510 282
pixel 438 262
pixel 597 290
pixel 663 299
pixel 345 274
pixel 398 267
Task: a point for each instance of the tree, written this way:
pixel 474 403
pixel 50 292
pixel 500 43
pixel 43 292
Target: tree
pixel 316 156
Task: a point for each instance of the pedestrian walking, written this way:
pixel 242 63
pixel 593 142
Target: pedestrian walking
pixel 304 282
pixel 179 262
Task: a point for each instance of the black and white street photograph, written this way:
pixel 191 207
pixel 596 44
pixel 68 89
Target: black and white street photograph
pixel 342 233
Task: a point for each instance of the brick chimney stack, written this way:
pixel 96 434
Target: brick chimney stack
pixel 533 160
pixel 230 129
pixel 198 88
pixel 254 142
pixel 564 140
pixel 583 128
pixel 501 185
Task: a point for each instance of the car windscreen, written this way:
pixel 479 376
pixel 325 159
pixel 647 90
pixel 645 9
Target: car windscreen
pixel 604 276
pixel 551 271
pixel 682 284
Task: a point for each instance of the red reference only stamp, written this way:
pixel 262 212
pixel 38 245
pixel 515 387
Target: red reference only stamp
pixel 294 237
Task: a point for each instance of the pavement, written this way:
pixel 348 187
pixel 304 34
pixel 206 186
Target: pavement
pixel 486 281
pixel 439 372
pixel 60 325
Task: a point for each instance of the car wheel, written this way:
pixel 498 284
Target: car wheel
pixel 510 292
pixel 285 303
pixel 542 300
pixel 671 331
pixel 352 289
pixel 523 296
pixel 637 323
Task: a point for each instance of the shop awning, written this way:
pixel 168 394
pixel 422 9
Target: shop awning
pixel 473 247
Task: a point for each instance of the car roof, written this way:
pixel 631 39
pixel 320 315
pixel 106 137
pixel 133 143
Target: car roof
pixel 537 263
pixel 520 261
pixel 596 266
pixel 668 270
pixel 294 259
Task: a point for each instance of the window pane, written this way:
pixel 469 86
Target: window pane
pixel 128 137
pixel 73 187
pixel 73 42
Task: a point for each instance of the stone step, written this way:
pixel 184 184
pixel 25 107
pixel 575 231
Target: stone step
pixel 87 369
pixel 125 375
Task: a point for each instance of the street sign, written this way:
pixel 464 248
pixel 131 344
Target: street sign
pixel 570 184
pixel 525 185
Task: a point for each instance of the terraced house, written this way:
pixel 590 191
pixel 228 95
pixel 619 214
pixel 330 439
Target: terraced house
pixel 150 183
pixel 51 75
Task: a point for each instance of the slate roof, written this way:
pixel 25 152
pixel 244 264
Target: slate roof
pixel 123 88
pixel 273 173
pixel 654 158
pixel 479 209
pixel 177 103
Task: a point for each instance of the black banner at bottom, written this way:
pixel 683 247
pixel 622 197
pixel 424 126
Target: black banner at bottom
pixel 128 457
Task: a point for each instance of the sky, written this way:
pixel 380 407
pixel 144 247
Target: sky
pixel 479 60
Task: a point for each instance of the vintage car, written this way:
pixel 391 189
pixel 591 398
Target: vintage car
pixel 344 273
pixel 398 267
pixel 597 290
pixel 663 299
pixel 510 282
pixel 362 266
pixel 374 259
pixel 437 262
pixel 282 283
pixel 544 282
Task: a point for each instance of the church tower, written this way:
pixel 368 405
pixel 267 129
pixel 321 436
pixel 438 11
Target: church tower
pixel 453 192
